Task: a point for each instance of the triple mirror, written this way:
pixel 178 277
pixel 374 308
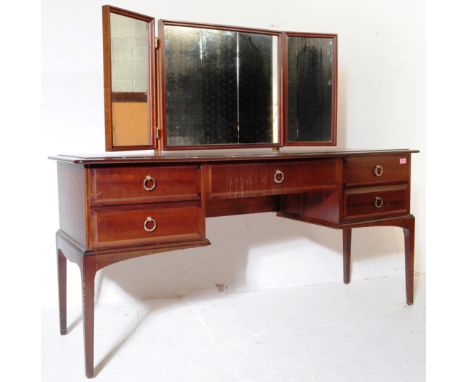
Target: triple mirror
pixel 215 86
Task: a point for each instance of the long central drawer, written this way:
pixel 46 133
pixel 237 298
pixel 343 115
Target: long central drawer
pixel 275 178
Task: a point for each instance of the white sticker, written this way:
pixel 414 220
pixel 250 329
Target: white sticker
pixel 402 160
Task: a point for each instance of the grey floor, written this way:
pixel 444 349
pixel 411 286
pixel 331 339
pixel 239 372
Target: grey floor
pixel 330 332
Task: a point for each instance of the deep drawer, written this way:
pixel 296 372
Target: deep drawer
pixel 143 224
pixel 245 179
pixel 376 169
pixel 375 201
pixel 143 184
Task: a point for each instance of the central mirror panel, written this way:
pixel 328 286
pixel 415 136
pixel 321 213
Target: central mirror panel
pixel 220 87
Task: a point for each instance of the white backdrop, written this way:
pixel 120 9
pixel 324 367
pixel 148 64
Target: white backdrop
pixel 381 105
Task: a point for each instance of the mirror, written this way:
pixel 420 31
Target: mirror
pixel 220 86
pixel 311 89
pixel 129 79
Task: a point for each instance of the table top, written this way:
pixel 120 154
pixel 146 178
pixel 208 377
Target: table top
pixel 210 157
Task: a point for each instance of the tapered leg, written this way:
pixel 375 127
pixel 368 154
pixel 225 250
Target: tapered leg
pixel 346 255
pixel 62 281
pixel 409 260
pixel 88 271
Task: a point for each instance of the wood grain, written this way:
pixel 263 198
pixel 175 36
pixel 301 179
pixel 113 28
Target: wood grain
pixel 244 180
pixel 360 170
pixel 125 185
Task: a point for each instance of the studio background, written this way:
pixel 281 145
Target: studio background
pixel 381 87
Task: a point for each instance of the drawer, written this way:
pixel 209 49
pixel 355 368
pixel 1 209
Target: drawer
pixel 143 184
pixel 282 177
pixel 371 202
pixel 145 224
pixel 376 169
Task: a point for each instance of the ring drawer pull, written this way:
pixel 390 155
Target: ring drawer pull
pixel 150 224
pixel 378 202
pixel 149 184
pixel 278 176
pixel 378 170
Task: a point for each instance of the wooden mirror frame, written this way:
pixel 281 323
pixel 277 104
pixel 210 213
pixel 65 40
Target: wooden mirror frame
pixel 162 85
pixel 157 85
pixel 151 97
pixel 334 109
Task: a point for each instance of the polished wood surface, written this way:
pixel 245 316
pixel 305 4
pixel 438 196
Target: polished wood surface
pixel 242 180
pixel 125 225
pixel 104 205
pixel 143 184
pixel 347 255
pixel 71 181
pixel 363 170
pixel 239 206
pixel 228 157
pixel 375 201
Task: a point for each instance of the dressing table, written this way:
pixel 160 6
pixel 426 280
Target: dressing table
pixel 204 86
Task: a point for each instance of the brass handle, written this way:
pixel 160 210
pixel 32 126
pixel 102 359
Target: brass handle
pixel 150 224
pixel 378 170
pixel 278 177
pixel 378 202
pixel 149 184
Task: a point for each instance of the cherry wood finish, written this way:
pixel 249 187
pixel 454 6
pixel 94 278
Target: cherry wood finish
pixel 62 287
pixel 104 205
pixel 242 180
pixel 364 171
pixel 125 225
pixel 346 255
pixel 226 157
pixel 71 181
pixel 143 184
pixel 375 201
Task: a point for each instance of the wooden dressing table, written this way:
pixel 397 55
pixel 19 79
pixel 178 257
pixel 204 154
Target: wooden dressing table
pixel 118 208
pixel 216 87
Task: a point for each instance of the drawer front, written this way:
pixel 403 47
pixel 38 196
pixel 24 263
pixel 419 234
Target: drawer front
pixel 145 224
pixel 375 201
pixel 247 179
pixel 376 169
pixel 143 184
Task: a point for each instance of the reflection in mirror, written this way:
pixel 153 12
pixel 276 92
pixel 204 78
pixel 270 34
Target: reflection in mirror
pixel 221 87
pixel 310 88
pixel 130 81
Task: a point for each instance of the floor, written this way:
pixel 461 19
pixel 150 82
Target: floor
pixel 330 332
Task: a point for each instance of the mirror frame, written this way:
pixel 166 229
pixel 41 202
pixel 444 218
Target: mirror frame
pixel 334 108
pixel 151 97
pixel 162 85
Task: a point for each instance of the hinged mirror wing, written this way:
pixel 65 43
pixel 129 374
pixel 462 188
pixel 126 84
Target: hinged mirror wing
pixel 310 83
pixel 129 80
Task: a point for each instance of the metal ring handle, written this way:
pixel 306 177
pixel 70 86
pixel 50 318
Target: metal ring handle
pixel 378 170
pixel 149 179
pixel 147 227
pixel 278 177
pixel 378 202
